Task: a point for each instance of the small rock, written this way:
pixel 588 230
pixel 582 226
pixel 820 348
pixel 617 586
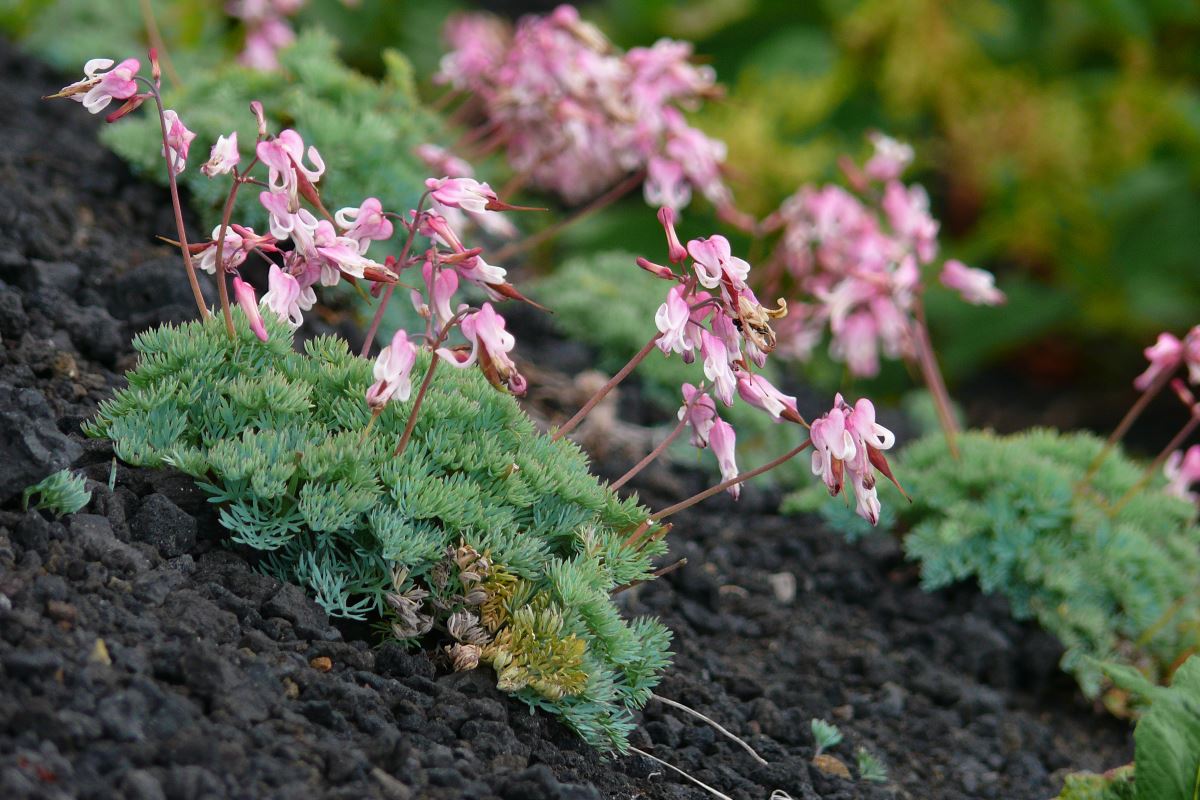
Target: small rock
pixel 321 664
pixel 783 584
pixel 830 765
pixel 32 445
pixel 99 654
pixel 59 611
pixel 165 525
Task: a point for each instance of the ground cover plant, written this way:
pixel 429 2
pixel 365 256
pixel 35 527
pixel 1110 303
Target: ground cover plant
pixel 444 510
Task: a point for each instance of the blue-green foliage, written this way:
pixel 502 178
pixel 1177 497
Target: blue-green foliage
pixel 62 492
pixel 365 129
pixel 481 512
pixel 606 301
pixel 1167 741
pixel 1015 514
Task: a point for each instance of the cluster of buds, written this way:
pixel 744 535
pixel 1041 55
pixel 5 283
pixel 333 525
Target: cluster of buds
pixel 859 255
pixel 267 29
pixel 575 114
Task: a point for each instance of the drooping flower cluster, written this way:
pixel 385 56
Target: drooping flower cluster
pixel 1168 354
pixel 576 115
pixel 848 440
pixel 859 255
pixel 712 309
pixel 267 30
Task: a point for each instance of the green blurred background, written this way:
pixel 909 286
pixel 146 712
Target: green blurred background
pixel 1060 142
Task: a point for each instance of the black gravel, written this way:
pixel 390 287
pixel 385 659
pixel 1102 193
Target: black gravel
pixel 140 657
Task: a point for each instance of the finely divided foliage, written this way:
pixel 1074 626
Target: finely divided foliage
pixel 485 529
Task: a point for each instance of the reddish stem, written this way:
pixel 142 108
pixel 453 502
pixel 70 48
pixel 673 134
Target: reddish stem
pixel 574 421
pixel 932 374
pixel 412 415
pixel 1157 463
pixel 387 293
pixel 720 487
pixel 222 289
pixel 657 451
pixel 175 203
pixel 608 198
pixel 1127 421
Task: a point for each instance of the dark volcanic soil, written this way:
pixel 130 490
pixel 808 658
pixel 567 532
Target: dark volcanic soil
pixel 141 658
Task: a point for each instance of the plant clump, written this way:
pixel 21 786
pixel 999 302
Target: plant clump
pixel 485 531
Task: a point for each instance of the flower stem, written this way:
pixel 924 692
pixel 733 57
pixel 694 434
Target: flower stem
pixel 1156 464
pixel 657 451
pixel 154 35
pixel 932 374
pixel 608 198
pixel 176 205
pixel 720 487
pixel 416 408
pixel 387 293
pixel 222 289
pixel 653 454
pixel 1127 421
pixel 574 421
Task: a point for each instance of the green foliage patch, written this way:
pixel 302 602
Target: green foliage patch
pixel 484 530
pixel 63 492
pixel 1016 515
pixel 1167 743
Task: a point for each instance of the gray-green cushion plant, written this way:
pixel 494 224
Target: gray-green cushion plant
pixel 484 532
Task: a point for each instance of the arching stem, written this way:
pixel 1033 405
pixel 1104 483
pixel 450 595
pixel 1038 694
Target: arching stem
pixel 176 206
pixel 608 198
pixel 720 487
pixel 582 413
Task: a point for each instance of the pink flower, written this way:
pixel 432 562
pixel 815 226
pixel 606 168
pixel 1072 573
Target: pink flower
pixel 393 372
pixel 977 286
pixel 1191 354
pixel 1165 356
pixel 284 157
pixel 442 162
pixel 365 223
pixel 870 440
pixel 239 242
pixel 857 344
pixel 714 262
pixel 100 88
pixel 672 319
pixel 440 288
pixel 722 440
pixel 890 159
pixel 907 209
pixel 716 367
pixel 490 345
pixel 283 296
pixel 699 412
pixel 340 254
pixel 484 275
pixel 665 184
pixel 179 141
pixel 243 293
pixel 676 252
pixel 1182 470
pixel 224 156
pixel 758 392
pixel 465 193
pixel 833 446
